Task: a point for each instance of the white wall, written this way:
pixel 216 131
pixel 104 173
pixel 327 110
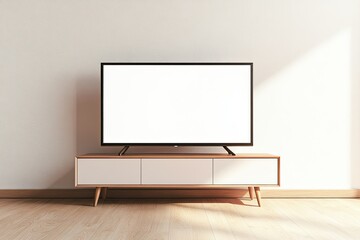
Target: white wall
pixel 306 58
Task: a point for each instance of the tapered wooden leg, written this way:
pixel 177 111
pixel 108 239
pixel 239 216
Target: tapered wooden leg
pixel 97 195
pixel 258 195
pixel 251 192
pixel 104 193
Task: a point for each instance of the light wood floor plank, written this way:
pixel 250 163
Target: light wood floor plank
pixel 189 218
pixel 217 214
pixel 287 223
pixel 342 218
pixel 263 222
pixel 180 219
pixel 16 206
pixel 22 214
pixel 83 224
pixel 311 221
pixel 57 230
pixel 51 216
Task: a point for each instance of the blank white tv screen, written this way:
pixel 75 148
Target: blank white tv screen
pixel 177 104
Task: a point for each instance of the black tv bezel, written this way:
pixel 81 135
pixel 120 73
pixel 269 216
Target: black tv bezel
pixel 178 144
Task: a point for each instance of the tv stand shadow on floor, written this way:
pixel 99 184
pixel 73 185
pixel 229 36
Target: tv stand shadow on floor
pixel 177 171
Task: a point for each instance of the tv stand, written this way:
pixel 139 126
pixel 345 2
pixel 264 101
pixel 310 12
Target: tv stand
pixel 177 171
pixel 229 151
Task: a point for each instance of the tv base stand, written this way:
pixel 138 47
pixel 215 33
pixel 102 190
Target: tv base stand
pixel 177 171
pixel 125 148
pixel 229 151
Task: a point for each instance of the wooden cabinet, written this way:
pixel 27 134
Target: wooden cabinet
pixel 178 171
pixel 248 171
pixel 107 171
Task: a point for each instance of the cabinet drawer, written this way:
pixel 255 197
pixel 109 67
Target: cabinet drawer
pixel 108 171
pixel 252 171
pixel 177 171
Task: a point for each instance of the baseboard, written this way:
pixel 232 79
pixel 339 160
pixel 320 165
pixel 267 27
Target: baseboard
pixel 348 193
pixel 177 193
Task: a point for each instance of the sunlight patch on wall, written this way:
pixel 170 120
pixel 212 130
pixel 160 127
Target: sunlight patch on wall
pixel 303 114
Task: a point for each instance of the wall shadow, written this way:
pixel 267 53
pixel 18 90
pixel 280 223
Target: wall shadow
pixel 88 116
pixel 66 179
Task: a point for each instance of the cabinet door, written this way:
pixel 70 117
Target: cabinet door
pixel 108 171
pixel 177 171
pixel 252 171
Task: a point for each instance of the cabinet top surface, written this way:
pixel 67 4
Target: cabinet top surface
pixel 167 155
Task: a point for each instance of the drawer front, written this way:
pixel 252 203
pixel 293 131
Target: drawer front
pixel 108 171
pixel 177 171
pixel 246 171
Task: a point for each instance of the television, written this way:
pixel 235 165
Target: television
pixel 177 104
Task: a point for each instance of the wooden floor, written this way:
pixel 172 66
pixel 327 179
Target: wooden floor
pixel 180 219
